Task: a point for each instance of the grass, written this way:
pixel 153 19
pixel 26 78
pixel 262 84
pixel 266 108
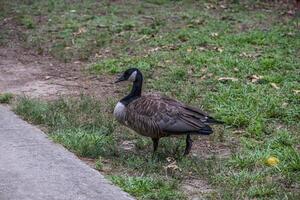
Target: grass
pixel 75 124
pixel 240 60
pixel 6 98
pixel 147 187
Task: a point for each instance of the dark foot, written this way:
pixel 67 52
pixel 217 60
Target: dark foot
pixel 189 144
pixel 155 144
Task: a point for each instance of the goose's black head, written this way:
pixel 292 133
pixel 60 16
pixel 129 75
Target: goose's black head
pixel 134 75
pixel 131 74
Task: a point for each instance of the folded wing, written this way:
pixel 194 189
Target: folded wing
pixel 171 117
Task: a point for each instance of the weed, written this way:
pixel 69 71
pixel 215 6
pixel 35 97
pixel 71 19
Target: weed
pixel 6 97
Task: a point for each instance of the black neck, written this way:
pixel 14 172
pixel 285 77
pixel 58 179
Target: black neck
pixel 136 90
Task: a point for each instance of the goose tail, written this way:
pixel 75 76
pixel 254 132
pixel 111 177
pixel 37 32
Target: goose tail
pixel 206 130
pixel 212 120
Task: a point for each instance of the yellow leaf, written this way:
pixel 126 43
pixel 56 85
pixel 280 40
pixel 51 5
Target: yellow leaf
pixel 272 161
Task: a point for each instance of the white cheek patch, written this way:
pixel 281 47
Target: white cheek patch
pixel 132 76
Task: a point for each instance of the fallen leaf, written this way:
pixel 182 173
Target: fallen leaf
pixel 284 104
pixel 272 161
pixel 154 49
pixel 210 74
pixel 172 166
pixel 227 79
pixel 274 86
pixel 214 34
pixel 236 69
pixel 80 31
pixel 201 48
pixel 189 50
pixel 238 131
pixel 296 91
pixel 203 70
pixel 290 34
pixel 208 6
pixel 220 50
pixel 255 78
pixel 170 159
pixel 198 21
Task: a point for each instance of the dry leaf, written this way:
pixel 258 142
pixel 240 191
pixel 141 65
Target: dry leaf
pixel 80 30
pixel 296 91
pixel 154 49
pixel 274 86
pixel 214 34
pixel 220 50
pixel 172 166
pixel 227 79
pixel 208 6
pixel 255 78
pixel 238 131
pixel 236 69
pixel 201 48
pixel 290 34
pixel 210 74
pixel 189 50
pixel 198 21
pixel 285 104
pixel 203 70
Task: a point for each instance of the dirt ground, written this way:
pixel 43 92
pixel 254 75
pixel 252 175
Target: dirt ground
pixel 25 73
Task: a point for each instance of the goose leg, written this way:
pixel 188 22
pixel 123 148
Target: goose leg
pixel 155 144
pixel 189 144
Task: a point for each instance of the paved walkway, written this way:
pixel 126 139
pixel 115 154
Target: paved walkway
pixel 34 168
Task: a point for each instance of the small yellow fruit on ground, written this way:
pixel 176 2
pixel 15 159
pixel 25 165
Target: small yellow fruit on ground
pixel 272 161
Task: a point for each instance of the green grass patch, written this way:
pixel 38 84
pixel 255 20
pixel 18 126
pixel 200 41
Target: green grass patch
pixel 74 123
pixel 148 188
pixel 247 173
pixel 6 97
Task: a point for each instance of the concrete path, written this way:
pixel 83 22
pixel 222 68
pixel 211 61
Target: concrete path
pixel 34 168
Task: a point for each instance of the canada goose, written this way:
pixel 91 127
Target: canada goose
pixel 156 116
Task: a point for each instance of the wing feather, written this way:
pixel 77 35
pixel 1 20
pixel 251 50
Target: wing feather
pixel 169 115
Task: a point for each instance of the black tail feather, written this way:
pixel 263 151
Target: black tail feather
pixel 206 130
pixel 213 121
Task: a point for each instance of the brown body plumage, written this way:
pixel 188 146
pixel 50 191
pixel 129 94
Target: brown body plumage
pixel 155 116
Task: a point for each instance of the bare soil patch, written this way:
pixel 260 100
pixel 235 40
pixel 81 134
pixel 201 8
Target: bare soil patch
pixel 25 73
